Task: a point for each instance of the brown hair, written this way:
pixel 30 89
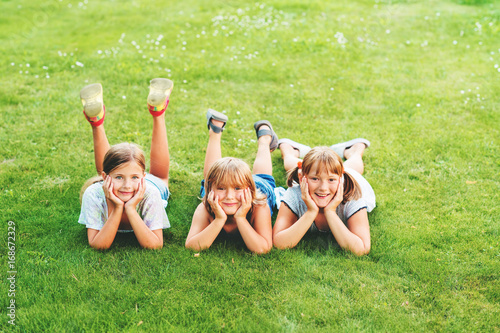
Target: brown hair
pixel 123 153
pixel 326 160
pixel 231 171
pixel 116 156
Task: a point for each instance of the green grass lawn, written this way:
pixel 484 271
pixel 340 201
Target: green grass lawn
pixel 419 79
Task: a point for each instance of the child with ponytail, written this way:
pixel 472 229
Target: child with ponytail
pixel 325 194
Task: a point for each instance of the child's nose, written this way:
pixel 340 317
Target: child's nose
pixel 230 194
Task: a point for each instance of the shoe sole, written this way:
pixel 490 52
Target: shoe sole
pixel 159 91
pixel 91 97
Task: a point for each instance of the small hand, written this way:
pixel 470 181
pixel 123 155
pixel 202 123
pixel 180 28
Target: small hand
pixel 306 196
pixel 246 204
pixel 107 187
pixel 339 196
pixel 138 196
pixel 213 201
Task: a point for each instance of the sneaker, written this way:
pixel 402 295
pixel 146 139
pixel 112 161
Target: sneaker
pixel 93 106
pixel 159 93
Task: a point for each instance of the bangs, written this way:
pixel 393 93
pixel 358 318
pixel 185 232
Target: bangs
pixel 328 165
pixel 230 172
pixel 324 160
pixel 231 177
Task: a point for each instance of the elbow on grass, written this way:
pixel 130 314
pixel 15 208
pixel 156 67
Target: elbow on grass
pixel 263 250
pixel 153 247
pixel 99 247
pixel 361 252
pixel 194 247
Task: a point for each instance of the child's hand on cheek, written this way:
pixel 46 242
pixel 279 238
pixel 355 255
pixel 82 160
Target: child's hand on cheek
pixel 337 199
pixel 138 196
pixel 108 189
pixel 306 196
pixel 213 201
pixel 246 203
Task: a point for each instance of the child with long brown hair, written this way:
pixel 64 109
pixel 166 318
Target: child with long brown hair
pixel 325 194
pixel 235 198
pixel 123 197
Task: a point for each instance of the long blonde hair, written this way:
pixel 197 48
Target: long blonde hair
pixel 231 171
pixel 325 159
pixel 116 156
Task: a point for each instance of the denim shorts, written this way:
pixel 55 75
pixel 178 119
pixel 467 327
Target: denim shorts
pixel 159 184
pixel 265 183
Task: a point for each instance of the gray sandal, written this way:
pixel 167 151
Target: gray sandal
pixel 339 148
pixel 212 114
pixel 260 132
pixel 303 149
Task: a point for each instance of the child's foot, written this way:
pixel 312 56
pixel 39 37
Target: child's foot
pixel 340 148
pixel 301 149
pixel 159 94
pixel 216 121
pixel 93 106
pixel 264 127
pixel 357 148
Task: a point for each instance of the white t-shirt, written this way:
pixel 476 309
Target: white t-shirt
pixel 293 199
pixel 94 211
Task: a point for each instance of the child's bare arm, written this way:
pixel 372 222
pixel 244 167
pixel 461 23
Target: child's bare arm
pixel 288 231
pixel 258 238
pixel 102 239
pixel 203 232
pixel 147 238
pixel 356 236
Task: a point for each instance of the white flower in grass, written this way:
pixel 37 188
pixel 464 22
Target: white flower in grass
pixel 418 105
pixel 79 64
pixel 124 97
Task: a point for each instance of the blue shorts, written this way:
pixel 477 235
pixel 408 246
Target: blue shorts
pixel 265 183
pixel 159 184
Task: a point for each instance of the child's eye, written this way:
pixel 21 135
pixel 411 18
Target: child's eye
pixel 119 177
pixel 238 188
pixel 220 188
pixel 135 177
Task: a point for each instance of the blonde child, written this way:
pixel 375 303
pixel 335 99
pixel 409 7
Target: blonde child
pixel 123 197
pixel 325 194
pixel 235 199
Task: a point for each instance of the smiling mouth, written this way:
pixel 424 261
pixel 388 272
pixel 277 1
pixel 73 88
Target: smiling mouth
pixel 322 196
pixel 126 193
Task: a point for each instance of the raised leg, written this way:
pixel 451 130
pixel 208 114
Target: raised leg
pixel 101 146
pixel 354 157
pixel 263 163
pixel 214 150
pixel 160 156
pixel 290 156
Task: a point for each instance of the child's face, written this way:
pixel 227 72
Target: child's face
pixel 322 186
pixel 126 179
pixel 229 197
